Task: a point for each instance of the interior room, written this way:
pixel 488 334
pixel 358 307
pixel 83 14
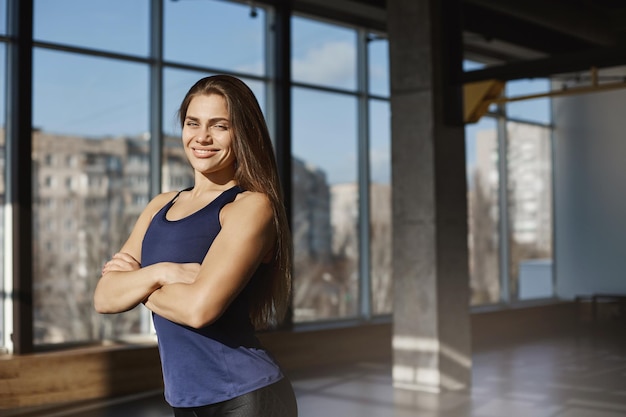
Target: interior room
pixel 452 174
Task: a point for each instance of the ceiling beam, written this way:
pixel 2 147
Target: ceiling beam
pixel 495 25
pixel 546 67
pixel 561 17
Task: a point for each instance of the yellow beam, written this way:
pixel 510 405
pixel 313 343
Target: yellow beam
pixel 477 97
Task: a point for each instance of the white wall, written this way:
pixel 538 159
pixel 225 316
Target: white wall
pixel 590 193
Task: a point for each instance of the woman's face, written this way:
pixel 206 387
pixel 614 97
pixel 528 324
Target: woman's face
pixel 207 136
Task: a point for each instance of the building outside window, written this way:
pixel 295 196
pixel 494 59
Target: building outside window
pixel 341 172
pixel 510 215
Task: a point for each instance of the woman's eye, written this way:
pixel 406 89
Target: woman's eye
pixel 192 124
pixel 220 127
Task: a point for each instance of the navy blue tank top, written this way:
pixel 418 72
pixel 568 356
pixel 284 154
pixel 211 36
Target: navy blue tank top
pixel 222 360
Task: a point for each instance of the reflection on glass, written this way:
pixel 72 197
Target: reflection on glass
pixel 529 160
pixel 535 110
pixel 215 34
pixel 323 54
pixel 325 209
pixel 177 174
pixel 378 66
pixel 483 213
pixel 112 25
pixel 90 161
pixel 380 207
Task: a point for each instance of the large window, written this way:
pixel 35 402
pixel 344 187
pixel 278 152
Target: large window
pixel 341 172
pixel 483 211
pixel 108 77
pixel 216 34
pixel 93 108
pixel 90 170
pixel 529 164
pixel 380 207
pixel 325 210
pixel 510 216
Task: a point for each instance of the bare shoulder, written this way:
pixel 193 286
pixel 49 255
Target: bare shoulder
pixel 249 205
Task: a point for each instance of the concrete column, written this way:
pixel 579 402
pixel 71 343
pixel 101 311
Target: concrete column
pixel 431 335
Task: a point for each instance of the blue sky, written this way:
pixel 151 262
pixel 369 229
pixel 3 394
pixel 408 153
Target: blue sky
pixel 97 97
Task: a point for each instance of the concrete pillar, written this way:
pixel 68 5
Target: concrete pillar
pixel 431 334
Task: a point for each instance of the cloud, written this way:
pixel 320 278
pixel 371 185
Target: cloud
pixel 333 63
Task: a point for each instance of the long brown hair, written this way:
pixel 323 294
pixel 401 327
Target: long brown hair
pixel 256 171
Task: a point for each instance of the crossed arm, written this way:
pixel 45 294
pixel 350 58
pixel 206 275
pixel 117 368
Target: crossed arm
pixel 191 294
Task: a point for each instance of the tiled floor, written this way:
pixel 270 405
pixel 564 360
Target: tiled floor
pixel 581 375
pixel 576 375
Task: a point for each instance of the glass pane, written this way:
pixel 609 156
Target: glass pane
pixel 481 144
pixel 177 173
pixel 378 66
pixel 380 207
pixel 529 161
pixel 90 157
pixel 215 34
pixel 325 209
pixel 3 17
pixel 469 65
pixel 535 110
pixel 112 25
pixel 323 54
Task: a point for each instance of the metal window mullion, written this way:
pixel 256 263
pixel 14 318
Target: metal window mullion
pixel 365 288
pixel 156 96
pixel 270 72
pixel 281 105
pixel 503 198
pixel 155 103
pixel 18 239
pixel 553 202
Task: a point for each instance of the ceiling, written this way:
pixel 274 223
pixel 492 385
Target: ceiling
pixel 519 38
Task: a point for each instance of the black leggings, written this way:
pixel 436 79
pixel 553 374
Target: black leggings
pixel 276 400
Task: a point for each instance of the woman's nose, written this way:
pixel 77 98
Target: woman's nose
pixel 204 136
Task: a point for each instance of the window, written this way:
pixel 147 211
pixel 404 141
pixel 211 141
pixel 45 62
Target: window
pixel 380 207
pixel 119 26
pixel 93 134
pixel 102 115
pixel 509 162
pixel 534 110
pixel 215 34
pixel 95 142
pixel 341 169
pixel 325 209
pixel 323 54
pixel 529 164
pixel 481 143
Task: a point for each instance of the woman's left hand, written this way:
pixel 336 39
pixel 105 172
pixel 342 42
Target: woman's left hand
pixel 121 262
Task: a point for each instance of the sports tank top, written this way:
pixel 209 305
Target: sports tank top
pixel 224 359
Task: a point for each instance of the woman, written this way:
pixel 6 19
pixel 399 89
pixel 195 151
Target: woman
pixel 213 262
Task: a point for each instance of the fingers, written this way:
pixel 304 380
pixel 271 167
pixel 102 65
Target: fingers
pixel 121 262
pixel 126 257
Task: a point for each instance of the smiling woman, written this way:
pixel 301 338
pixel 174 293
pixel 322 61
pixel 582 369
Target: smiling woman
pixel 213 262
